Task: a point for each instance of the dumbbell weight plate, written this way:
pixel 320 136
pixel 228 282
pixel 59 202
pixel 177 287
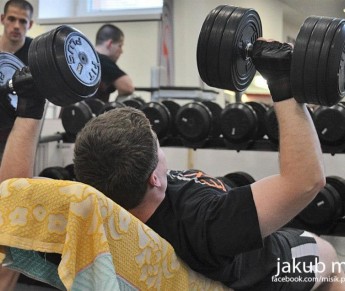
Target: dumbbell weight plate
pixel 238 122
pixel 260 110
pixel 298 60
pixel 301 59
pixel 194 122
pixel 312 58
pixel 204 40
pixel 213 45
pixel 64 66
pixel 75 116
pixel 95 105
pixel 159 117
pixel 216 111
pixel 111 105
pixel 224 48
pixel 8 102
pixel 70 170
pixel 173 107
pixel 135 102
pixel 323 210
pixel 236 69
pixel 271 125
pixel 322 74
pixel 57 173
pixel 330 124
pixel 336 67
pixel 339 184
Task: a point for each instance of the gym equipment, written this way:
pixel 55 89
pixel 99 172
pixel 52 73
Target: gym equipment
pixel 317 63
pixel 63 67
pixel 271 125
pixel 111 105
pixel 57 173
pixel 173 108
pixel 243 122
pixel 237 179
pixel 198 122
pixel 70 169
pixel 159 117
pixel 330 126
pixel 95 105
pixel 75 116
pixel 328 206
pixel 134 101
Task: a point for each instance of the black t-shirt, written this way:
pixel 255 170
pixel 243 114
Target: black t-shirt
pixel 110 73
pixel 23 52
pixel 206 223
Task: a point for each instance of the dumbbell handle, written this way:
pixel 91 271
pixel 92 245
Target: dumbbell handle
pixel 248 51
pixel 22 82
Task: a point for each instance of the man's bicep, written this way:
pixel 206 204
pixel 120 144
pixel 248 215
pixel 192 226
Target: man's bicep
pixel 276 203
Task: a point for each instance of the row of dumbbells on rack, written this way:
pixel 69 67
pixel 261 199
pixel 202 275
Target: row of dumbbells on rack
pixel 324 215
pixel 205 124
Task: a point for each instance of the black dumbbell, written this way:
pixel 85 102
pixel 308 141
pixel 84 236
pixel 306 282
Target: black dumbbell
pixel 70 169
pixel 95 105
pixel 111 105
pixel 57 173
pixel 75 116
pixel 327 207
pixel 224 54
pixel 173 108
pixel 243 122
pixel 330 126
pixel 63 67
pixel 198 122
pixel 134 101
pixel 160 118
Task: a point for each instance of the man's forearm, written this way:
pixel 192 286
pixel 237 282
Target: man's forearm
pixel 19 155
pixel 300 151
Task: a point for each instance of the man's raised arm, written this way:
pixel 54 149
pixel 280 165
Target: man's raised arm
pixel 281 197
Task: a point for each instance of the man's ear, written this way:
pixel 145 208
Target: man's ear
pixel 108 43
pixel 154 180
pixel 31 23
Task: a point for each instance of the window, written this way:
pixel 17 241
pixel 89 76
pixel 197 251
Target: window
pixel 81 11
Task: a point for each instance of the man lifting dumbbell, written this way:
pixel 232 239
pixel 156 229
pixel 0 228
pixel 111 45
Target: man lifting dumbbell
pixel 233 236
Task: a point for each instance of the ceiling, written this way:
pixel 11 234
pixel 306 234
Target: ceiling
pixel 299 10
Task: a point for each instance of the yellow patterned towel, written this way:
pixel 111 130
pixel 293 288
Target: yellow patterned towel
pixel 103 246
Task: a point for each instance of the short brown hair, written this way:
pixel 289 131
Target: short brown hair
pixel 22 4
pixel 116 152
pixel 108 31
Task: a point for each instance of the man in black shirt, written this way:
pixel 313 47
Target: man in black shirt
pixel 109 43
pixel 17 20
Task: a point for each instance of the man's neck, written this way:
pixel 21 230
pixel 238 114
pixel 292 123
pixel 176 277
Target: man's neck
pixel 9 46
pixel 102 50
pixel 148 206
